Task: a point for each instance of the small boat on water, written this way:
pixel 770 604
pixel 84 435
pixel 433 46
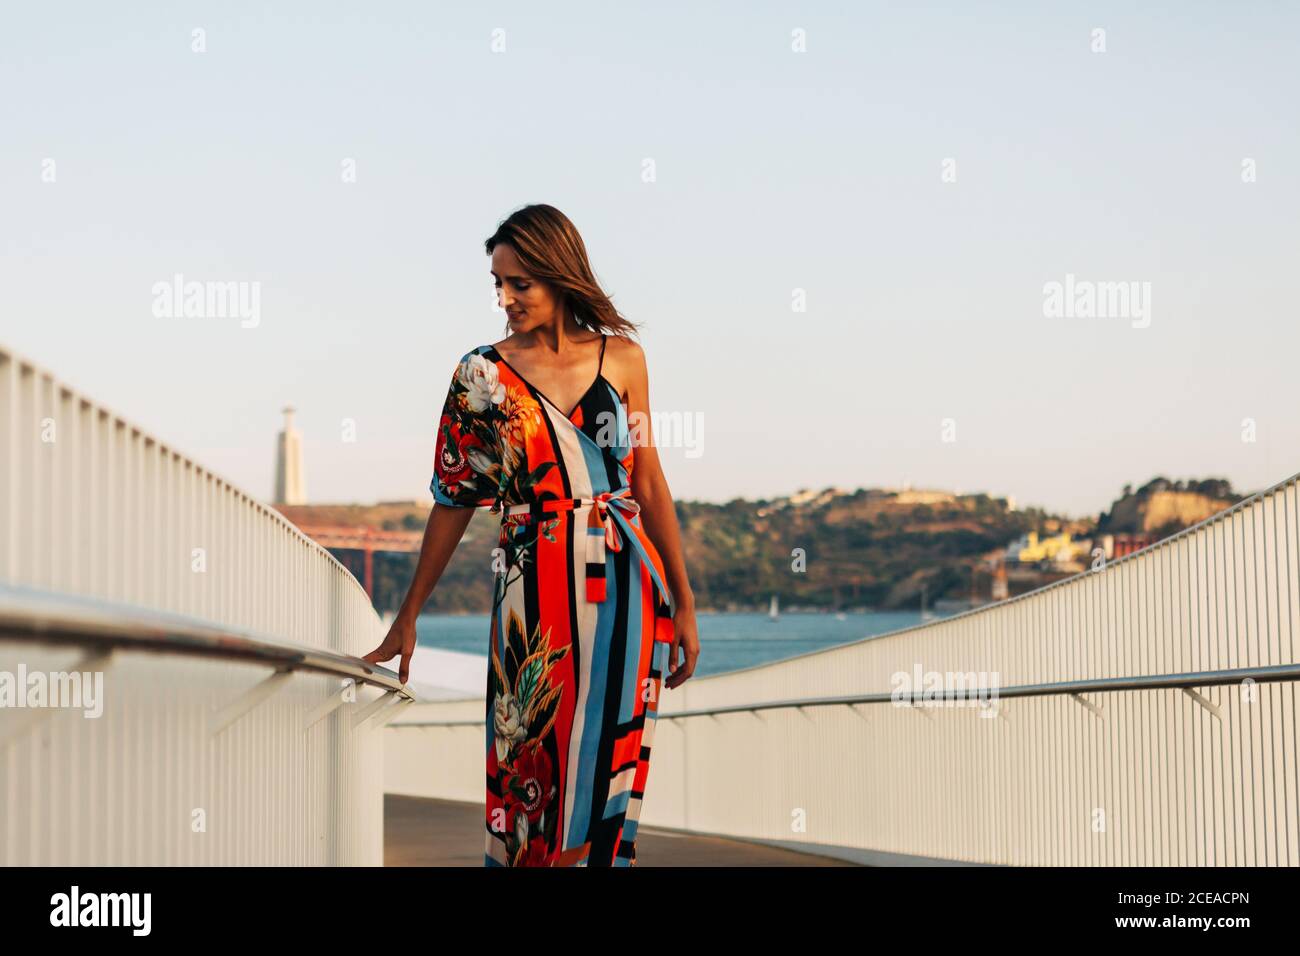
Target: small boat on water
pixel 772 613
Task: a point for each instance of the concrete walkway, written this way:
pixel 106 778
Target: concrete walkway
pixel 419 831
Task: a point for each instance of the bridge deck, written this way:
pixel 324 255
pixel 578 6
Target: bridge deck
pixel 424 832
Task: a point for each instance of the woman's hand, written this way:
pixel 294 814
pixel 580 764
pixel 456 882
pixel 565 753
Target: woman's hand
pixel 685 636
pixel 400 640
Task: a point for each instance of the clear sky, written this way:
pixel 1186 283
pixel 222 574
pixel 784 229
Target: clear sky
pixel 775 171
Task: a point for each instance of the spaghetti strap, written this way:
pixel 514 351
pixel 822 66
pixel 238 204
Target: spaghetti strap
pixel 601 364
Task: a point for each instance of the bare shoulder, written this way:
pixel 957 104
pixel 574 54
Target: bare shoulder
pixel 625 365
pixel 627 355
pixel 621 345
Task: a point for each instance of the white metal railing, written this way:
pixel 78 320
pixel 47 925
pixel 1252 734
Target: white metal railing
pixel 93 507
pixel 1149 720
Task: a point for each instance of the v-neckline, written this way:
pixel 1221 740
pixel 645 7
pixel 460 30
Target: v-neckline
pixel 540 394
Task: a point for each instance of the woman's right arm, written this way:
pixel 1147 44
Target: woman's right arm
pixel 466 477
pixel 442 533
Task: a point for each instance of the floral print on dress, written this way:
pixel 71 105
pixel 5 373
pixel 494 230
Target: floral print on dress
pixel 525 698
pixel 483 432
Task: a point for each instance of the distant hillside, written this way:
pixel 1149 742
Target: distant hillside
pixel 384 515
pixel 1163 507
pixel 866 548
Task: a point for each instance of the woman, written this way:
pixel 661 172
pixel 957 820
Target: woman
pixel 586 615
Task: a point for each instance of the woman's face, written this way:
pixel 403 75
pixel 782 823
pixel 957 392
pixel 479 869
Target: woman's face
pixel 529 302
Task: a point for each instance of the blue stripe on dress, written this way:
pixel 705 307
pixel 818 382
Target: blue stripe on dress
pixel 592 723
pixel 632 656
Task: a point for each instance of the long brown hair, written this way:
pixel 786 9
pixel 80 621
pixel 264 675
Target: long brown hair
pixel 549 247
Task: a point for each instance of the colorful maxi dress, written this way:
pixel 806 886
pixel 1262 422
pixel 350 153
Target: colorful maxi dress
pixel 582 617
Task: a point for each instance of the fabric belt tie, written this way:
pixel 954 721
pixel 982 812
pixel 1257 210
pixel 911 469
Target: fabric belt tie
pixel 610 522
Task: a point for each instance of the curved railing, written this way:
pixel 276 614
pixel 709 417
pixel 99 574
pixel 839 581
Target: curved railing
pixel 1147 719
pixel 113 538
